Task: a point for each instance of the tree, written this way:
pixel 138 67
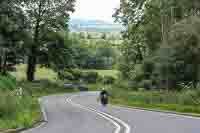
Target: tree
pixel 44 16
pixel 160 33
pixel 89 36
pixel 13 34
pixel 107 55
pixel 82 35
pixel 184 40
pixel 103 36
pixel 57 52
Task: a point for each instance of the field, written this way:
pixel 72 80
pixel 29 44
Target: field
pixel 44 73
pixel 41 73
pixel 112 73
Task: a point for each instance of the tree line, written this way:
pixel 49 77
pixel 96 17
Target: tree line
pixel 161 42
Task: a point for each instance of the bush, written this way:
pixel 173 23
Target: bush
pixel 90 77
pixel 7 82
pixel 147 84
pixel 123 84
pixel 189 97
pixel 108 80
pixel 67 75
pixel 138 73
pixel 148 68
pixel 77 74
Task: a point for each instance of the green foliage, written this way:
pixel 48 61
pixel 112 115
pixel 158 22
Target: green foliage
pixel 108 80
pixel 147 84
pixel 90 77
pixel 56 50
pixel 77 74
pixel 7 83
pixel 8 105
pixel 17 110
pixel 179 62
pixel 12 35
pixel 66 75
pixel 103 73
pixel 163 35
pixel 46 17
pixel 94 53
pixel 186 101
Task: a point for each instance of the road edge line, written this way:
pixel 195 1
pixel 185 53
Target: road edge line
pixel 44 120
pixel 44 114
pixel 183 115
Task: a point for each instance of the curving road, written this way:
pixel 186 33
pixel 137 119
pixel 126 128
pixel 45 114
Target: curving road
pixel 80 113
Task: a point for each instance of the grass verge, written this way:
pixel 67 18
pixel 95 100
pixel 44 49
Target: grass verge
pixel 183 110
pixel 23 111
pixel 19 108
pixel 184 102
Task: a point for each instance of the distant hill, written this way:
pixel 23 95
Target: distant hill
pixel 85 25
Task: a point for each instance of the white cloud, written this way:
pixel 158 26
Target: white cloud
pixel 96 9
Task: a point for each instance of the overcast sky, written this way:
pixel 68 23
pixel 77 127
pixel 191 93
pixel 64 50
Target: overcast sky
pixel 96 9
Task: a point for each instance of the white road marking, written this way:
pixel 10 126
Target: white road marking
pixel 158 112
pixel 43 110
pixel 118 128
pixel 104 115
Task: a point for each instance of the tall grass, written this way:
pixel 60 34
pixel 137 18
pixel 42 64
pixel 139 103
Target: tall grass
pixel 22 109
pixel 17 110
pixel 182 101
pixel 8 104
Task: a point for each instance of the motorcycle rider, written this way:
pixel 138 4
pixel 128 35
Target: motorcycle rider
pixel 104 97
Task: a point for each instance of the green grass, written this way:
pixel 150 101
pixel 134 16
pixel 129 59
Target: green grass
pixel 41 73
pixel 186 101
pixel 112 73
pixel 18 111
pixel 190 110
pixel 24 111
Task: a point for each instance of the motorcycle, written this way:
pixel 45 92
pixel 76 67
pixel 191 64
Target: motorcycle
pixel 104 100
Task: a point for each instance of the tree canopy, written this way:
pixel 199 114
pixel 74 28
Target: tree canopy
pixel 162 36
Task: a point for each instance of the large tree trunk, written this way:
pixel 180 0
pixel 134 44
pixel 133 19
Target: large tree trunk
pixel 1 66
pixel 32 60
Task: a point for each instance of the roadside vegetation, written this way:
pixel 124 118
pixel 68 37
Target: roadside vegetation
pixel 154 63
pixel 33 32
pixel 37 64
pixel 185 101
pixel 19 106
pixel 160 55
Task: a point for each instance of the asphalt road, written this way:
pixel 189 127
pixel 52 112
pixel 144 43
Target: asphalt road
pixel 81 113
